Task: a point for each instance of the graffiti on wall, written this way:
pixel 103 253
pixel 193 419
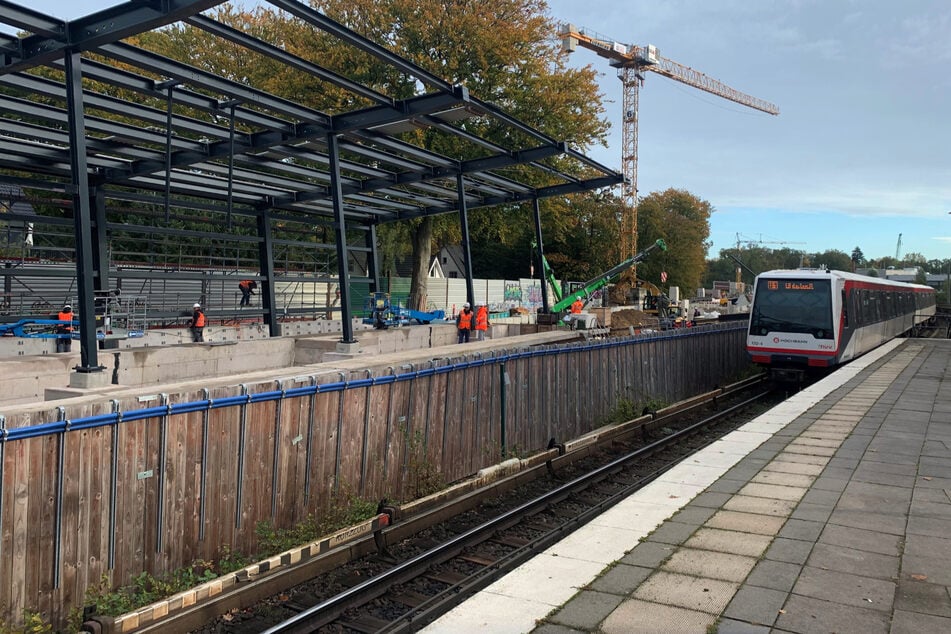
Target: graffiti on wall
pixel 513 292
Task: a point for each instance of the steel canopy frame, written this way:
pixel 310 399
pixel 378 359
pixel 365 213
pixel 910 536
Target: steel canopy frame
pixel 114 125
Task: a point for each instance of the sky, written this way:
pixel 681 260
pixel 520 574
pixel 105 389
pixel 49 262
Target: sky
pixel 859 155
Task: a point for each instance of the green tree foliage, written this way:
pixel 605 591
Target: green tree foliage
pixel 833 259
pixel 683 221
pixel 858 258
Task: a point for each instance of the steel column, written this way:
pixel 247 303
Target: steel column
pixel 464 226
pixel 100 246
pixel 340 233
pixel 266 266
pixel 373 259
pixel 541 253
pixel 85 268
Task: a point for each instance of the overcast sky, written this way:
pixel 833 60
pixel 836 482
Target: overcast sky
pixel 860 153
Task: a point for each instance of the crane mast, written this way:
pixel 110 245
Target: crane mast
pixel 632 62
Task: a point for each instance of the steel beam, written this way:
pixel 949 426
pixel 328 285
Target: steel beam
pixel 85 268
pixel 52 38
pixel 266 269
pixel 464 227
pixel 340 233
pixel 540 261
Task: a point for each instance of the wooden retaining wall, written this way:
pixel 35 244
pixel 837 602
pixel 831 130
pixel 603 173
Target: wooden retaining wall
pixel 154 482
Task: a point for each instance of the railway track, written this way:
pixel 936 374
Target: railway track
pixel 419 573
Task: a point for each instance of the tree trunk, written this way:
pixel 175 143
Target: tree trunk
pixel 422 236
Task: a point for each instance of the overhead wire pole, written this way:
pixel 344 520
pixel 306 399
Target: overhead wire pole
pixel 632 62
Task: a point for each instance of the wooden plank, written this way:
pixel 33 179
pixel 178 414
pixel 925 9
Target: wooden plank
pixel 352 439
pixel 378 409
pixel 259 467
pixel 397 440
pixel 323 464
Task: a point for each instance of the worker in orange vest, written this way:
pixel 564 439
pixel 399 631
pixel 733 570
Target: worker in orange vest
pixel 464 323
pixel 577 306
pixel 481 321
pixel 198 323
pixel 247 290
pixel 65 344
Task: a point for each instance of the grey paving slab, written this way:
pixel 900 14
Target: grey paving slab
pixel 746 522
pixel 691 514
pixel 648 554
pixel 924 597
pixel 826 483
pixel 858 562
pixel 884 478
pixel 673 533
pixel 937 570
pixel 726 485
pixel 843 463
pixel 807 615
pixel 790 551
pixel 824 497
pixel 773 491
pixel 940 510
pixel 802 529
pixel 783 479
pixel 776 575
pixel 756 605
pixel 643 617
pixel 880 522
pixel 684 591
pixel 711 500
pixel 934 526
pixel 845 588
pixel 929 546
pixel 729 542
pixel 913 623
pixel 812 512
pixel 620 579
pixel 861 539
pixel 709 564
pixel 760 506
pixel 586 610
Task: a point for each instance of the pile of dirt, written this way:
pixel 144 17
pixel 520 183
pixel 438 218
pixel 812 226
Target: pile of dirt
pixel 622 319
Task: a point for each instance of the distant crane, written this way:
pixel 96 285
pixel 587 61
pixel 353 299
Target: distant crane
pixel 632 61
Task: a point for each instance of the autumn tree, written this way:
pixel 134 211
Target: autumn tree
pixel 683 221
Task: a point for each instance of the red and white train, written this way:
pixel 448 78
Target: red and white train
pixel 807 319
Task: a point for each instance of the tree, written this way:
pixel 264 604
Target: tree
pixel 858 258
pixel 833 259
pixel 683 221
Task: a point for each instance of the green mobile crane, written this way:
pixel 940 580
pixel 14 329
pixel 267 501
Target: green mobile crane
pixel 564 301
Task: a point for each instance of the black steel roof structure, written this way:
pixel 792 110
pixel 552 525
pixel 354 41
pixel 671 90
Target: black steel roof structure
pixel 135 143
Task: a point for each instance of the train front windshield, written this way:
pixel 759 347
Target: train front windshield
pixel 791 305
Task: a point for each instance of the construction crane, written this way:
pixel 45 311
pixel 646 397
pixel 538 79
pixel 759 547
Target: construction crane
pixel 898 250
pixel 632 62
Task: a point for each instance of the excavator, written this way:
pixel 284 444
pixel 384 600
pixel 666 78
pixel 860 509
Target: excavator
pixel 564 300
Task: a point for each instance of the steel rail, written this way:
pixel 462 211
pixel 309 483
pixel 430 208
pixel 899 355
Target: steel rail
pixel 331 609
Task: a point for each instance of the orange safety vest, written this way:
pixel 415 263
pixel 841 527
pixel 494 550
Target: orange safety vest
pixel 465 320
pixel 577 306
pixel 63 316
pixel 245 284
pixel 482 318
pixel 199 319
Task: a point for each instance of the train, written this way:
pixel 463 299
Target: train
pixel 808 321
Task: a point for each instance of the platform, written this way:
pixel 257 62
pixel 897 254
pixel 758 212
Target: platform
pixel 829 513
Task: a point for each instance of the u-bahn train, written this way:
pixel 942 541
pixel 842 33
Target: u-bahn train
pixel 808 320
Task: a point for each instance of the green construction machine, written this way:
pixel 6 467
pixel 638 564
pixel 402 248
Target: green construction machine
pixel 564 301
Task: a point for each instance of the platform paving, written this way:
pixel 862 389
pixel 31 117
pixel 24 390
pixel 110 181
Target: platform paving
pixel 830 513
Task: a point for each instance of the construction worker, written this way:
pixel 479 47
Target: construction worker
pixel 577 306
pixel 481 321
pixel 198 324
pixel 247 290
pixel 464 323
pixel 65 344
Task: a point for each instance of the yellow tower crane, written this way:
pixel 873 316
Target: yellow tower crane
pixel 632 62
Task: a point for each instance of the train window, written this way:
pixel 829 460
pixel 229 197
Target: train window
pixel 793 305
pixel 845 309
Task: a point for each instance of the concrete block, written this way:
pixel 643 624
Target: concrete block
pixel 86 380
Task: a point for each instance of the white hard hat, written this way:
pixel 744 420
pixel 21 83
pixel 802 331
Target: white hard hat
pixel 197 306
pixel 466 305
pixel 67 307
